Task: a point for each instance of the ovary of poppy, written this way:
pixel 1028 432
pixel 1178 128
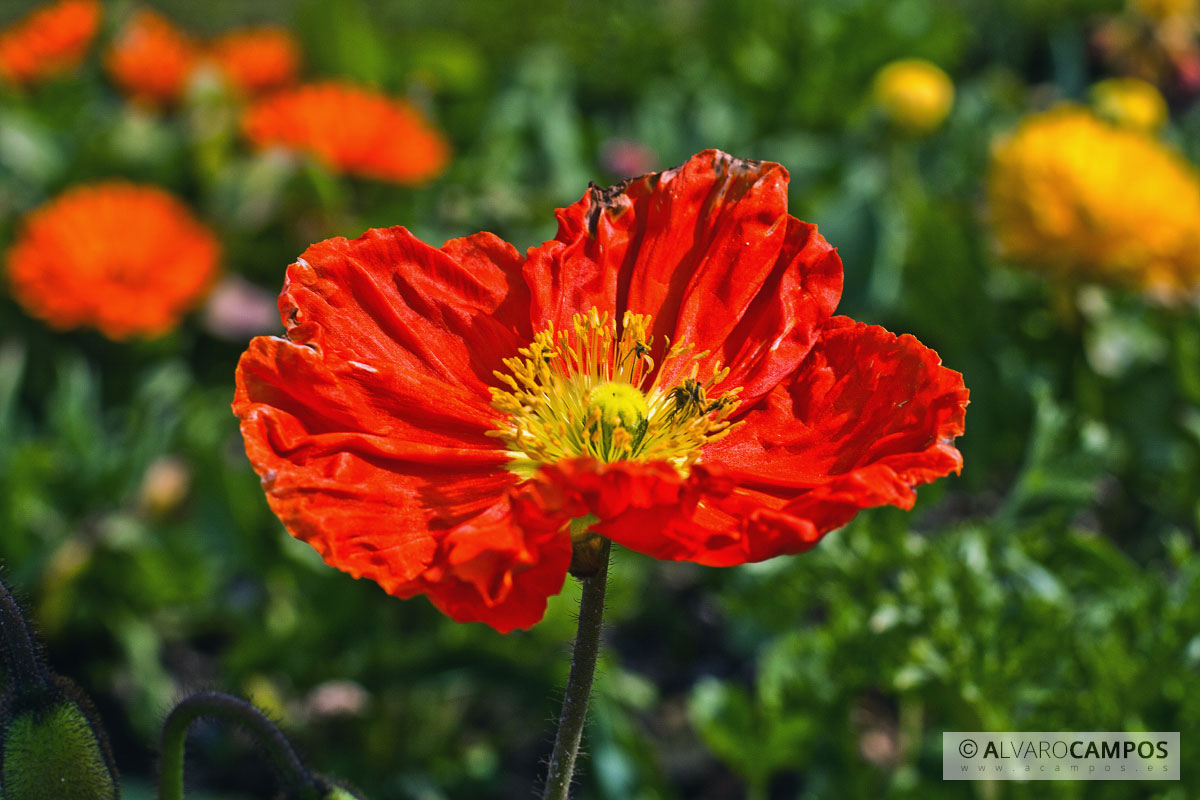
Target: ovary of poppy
pixel 51 40
pixel 152 60
pixel 351 130
pixel 256 60
pixel 125 258
pixel 667 372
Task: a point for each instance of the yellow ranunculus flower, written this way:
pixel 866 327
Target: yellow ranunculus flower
pixel 1074 195
pixel 916 95
pixel 1130 102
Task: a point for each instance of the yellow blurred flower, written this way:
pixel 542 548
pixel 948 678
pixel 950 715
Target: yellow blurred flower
pixel 1130 102
pixel 1165 9
pixel 165 485
pixel 916 95
pixel 1074 195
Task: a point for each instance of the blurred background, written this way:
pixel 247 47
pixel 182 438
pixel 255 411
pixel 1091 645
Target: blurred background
pixel 1003 193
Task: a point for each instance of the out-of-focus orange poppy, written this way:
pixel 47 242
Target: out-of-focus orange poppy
pixel 256 60
pixel 124 258
pixel 151 59
pixel 48 42
pixel 352 130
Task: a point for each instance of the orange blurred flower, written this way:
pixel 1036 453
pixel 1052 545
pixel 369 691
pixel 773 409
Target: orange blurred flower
pixel 352 130
pixel 151 59
pixel 125 258
pixel 257 59
pixel 51 40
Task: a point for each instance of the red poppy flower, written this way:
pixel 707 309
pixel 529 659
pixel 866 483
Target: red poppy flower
pixel 51 40
pixel 352 130
pixel 127 259
pixel 152 60
pixel 666 372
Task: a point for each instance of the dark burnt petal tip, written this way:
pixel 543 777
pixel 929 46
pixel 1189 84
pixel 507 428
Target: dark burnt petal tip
pixel 614 199
pixel 607 199
pixel 723 163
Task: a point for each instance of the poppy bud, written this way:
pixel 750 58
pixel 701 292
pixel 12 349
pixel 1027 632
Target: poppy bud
pixel 51 746
pixel 54 751
pixel 339 792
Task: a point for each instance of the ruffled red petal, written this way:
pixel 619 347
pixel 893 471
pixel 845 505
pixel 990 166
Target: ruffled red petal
pixel 369 490
pixel 868 416
pixel 498 568
pixel 448 315
pixel 709 251
pixel 647 507
pixel 368 424
pixel 785 317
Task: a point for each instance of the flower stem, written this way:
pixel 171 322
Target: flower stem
pixel 579 684
pixel 230 709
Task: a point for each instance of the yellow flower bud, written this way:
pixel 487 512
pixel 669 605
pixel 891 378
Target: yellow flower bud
pixel 916 95
pixel 1130 103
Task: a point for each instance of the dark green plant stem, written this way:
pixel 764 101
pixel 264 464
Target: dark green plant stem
pixel 298 779
pixel 579 684
pixel 23 663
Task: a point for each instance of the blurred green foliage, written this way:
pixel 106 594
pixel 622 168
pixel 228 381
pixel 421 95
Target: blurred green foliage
pixel 1054 586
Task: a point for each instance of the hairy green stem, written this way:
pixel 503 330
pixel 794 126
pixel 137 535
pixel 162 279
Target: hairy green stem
pixel 225 707
pixel 579 684
pixel 23 662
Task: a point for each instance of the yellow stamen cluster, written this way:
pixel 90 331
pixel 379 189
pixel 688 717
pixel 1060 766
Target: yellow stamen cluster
pixel 583 392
